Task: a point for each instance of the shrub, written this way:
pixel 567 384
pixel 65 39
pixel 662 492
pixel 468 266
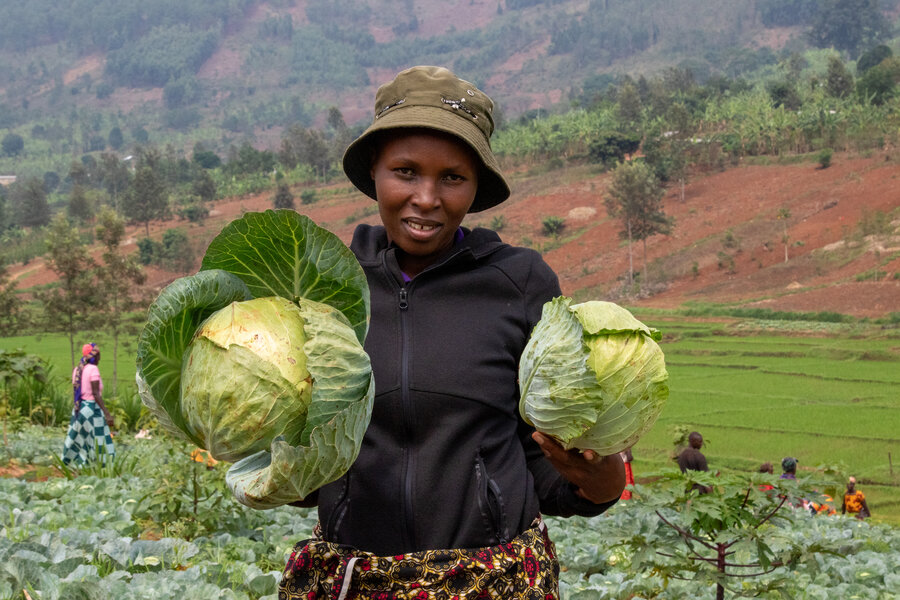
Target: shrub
pixel 194 212
pixel 308 197
pixel 149 251
pixel 283 197
pixel 824 158
pixel 553 225
pixel 498 223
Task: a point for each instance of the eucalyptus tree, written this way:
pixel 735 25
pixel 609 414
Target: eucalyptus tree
pixel 147 199
pixel 29 202
pixel 635 197
pixel 118 277
pixel 10 304
pixel 69 308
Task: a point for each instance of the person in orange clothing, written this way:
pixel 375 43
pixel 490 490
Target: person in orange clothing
pixel 855 501
pixel 766 467
pixel 627 457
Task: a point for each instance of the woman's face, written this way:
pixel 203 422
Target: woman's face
pixel 425 183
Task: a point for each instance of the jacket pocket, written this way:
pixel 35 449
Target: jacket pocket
pixel 490 503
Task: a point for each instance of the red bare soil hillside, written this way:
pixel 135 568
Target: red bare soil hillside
pixel 726 247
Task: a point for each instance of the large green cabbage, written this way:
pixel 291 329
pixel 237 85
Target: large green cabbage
pixel 259 358
pixel 592 376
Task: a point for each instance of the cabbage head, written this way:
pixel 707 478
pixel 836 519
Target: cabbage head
pixel 259 357
pixel 244 380
pixel 592 376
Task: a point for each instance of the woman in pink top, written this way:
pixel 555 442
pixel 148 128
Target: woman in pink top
pixel 89 426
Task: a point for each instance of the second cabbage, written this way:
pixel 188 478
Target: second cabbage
pixel 592 376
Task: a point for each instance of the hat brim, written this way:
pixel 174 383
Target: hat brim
pixel 492 187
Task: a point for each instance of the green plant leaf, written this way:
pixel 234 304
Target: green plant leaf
pixel 171 322
pixel 283 253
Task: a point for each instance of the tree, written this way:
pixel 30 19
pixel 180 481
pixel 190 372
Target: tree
pixel 839 81
pixel 80 208
pixel 783 215
pixel 115 139
pixel 69 308
pixel 117 278
pixel 610 147
pixel 12 144
pixel 204 186
pixel 177 253
pixel 147 199
pixel 10 304
pixel 29 202
pixel 879 83
pixel 628 103
pixel 283 197
pixel 115 176
pixel 848 25
pixel 872 57
pixel 305 146
pixel 207 159
pixel 635 198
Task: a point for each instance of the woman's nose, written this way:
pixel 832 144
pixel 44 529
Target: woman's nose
pixel 427 193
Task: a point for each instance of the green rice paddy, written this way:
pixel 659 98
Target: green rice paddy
pixel 829 399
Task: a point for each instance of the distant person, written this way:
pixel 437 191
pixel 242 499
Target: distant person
pixel 627 457
pixel 89 427
pixel 691 459
pixel 855 501
pixel 767 467
pixel 789 467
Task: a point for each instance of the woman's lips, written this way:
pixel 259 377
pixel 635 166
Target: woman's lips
pixel 420 230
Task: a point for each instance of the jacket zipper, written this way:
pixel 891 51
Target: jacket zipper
pixel 407 519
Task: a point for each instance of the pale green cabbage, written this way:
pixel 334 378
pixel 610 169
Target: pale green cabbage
pixel 259 357
pixel 592 376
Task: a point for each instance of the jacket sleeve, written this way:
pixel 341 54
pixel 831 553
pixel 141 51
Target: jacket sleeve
pixel 557 496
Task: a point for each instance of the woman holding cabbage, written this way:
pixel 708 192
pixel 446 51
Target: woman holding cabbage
pixel 446 496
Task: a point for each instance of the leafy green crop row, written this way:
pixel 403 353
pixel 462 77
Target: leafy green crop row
pixel 165 528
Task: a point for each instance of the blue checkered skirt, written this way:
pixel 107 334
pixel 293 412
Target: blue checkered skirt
pixel 88 436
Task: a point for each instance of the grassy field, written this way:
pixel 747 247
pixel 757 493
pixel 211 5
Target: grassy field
pixel 55 350
pixel 827 394
pixel 772 390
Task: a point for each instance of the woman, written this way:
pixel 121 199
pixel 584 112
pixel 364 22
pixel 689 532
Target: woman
pixel 445 498
pixel 90 422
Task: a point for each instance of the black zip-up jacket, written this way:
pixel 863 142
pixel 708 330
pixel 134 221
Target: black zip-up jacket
pixel 447 462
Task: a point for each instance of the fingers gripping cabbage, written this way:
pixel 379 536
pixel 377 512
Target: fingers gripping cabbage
pixel 259 359
pixel 592 376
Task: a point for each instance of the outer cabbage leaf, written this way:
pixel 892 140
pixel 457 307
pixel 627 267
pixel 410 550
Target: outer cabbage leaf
pixel 342 398
pixel 171 321
pixel 283 253
pixel 592 376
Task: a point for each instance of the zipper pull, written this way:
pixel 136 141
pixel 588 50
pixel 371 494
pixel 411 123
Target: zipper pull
pixel 404 304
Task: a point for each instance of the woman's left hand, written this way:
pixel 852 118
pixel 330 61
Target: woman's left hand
pixel 598 478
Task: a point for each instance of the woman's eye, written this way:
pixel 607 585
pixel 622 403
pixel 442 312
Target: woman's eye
pixel 404 171
pixel 455 177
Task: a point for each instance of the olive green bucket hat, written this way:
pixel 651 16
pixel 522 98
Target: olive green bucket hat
pixel 432 98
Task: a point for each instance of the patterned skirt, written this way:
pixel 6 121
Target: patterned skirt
pixel 88 436
pixel 525 568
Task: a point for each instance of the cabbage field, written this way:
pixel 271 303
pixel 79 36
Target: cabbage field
pixel 158 525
